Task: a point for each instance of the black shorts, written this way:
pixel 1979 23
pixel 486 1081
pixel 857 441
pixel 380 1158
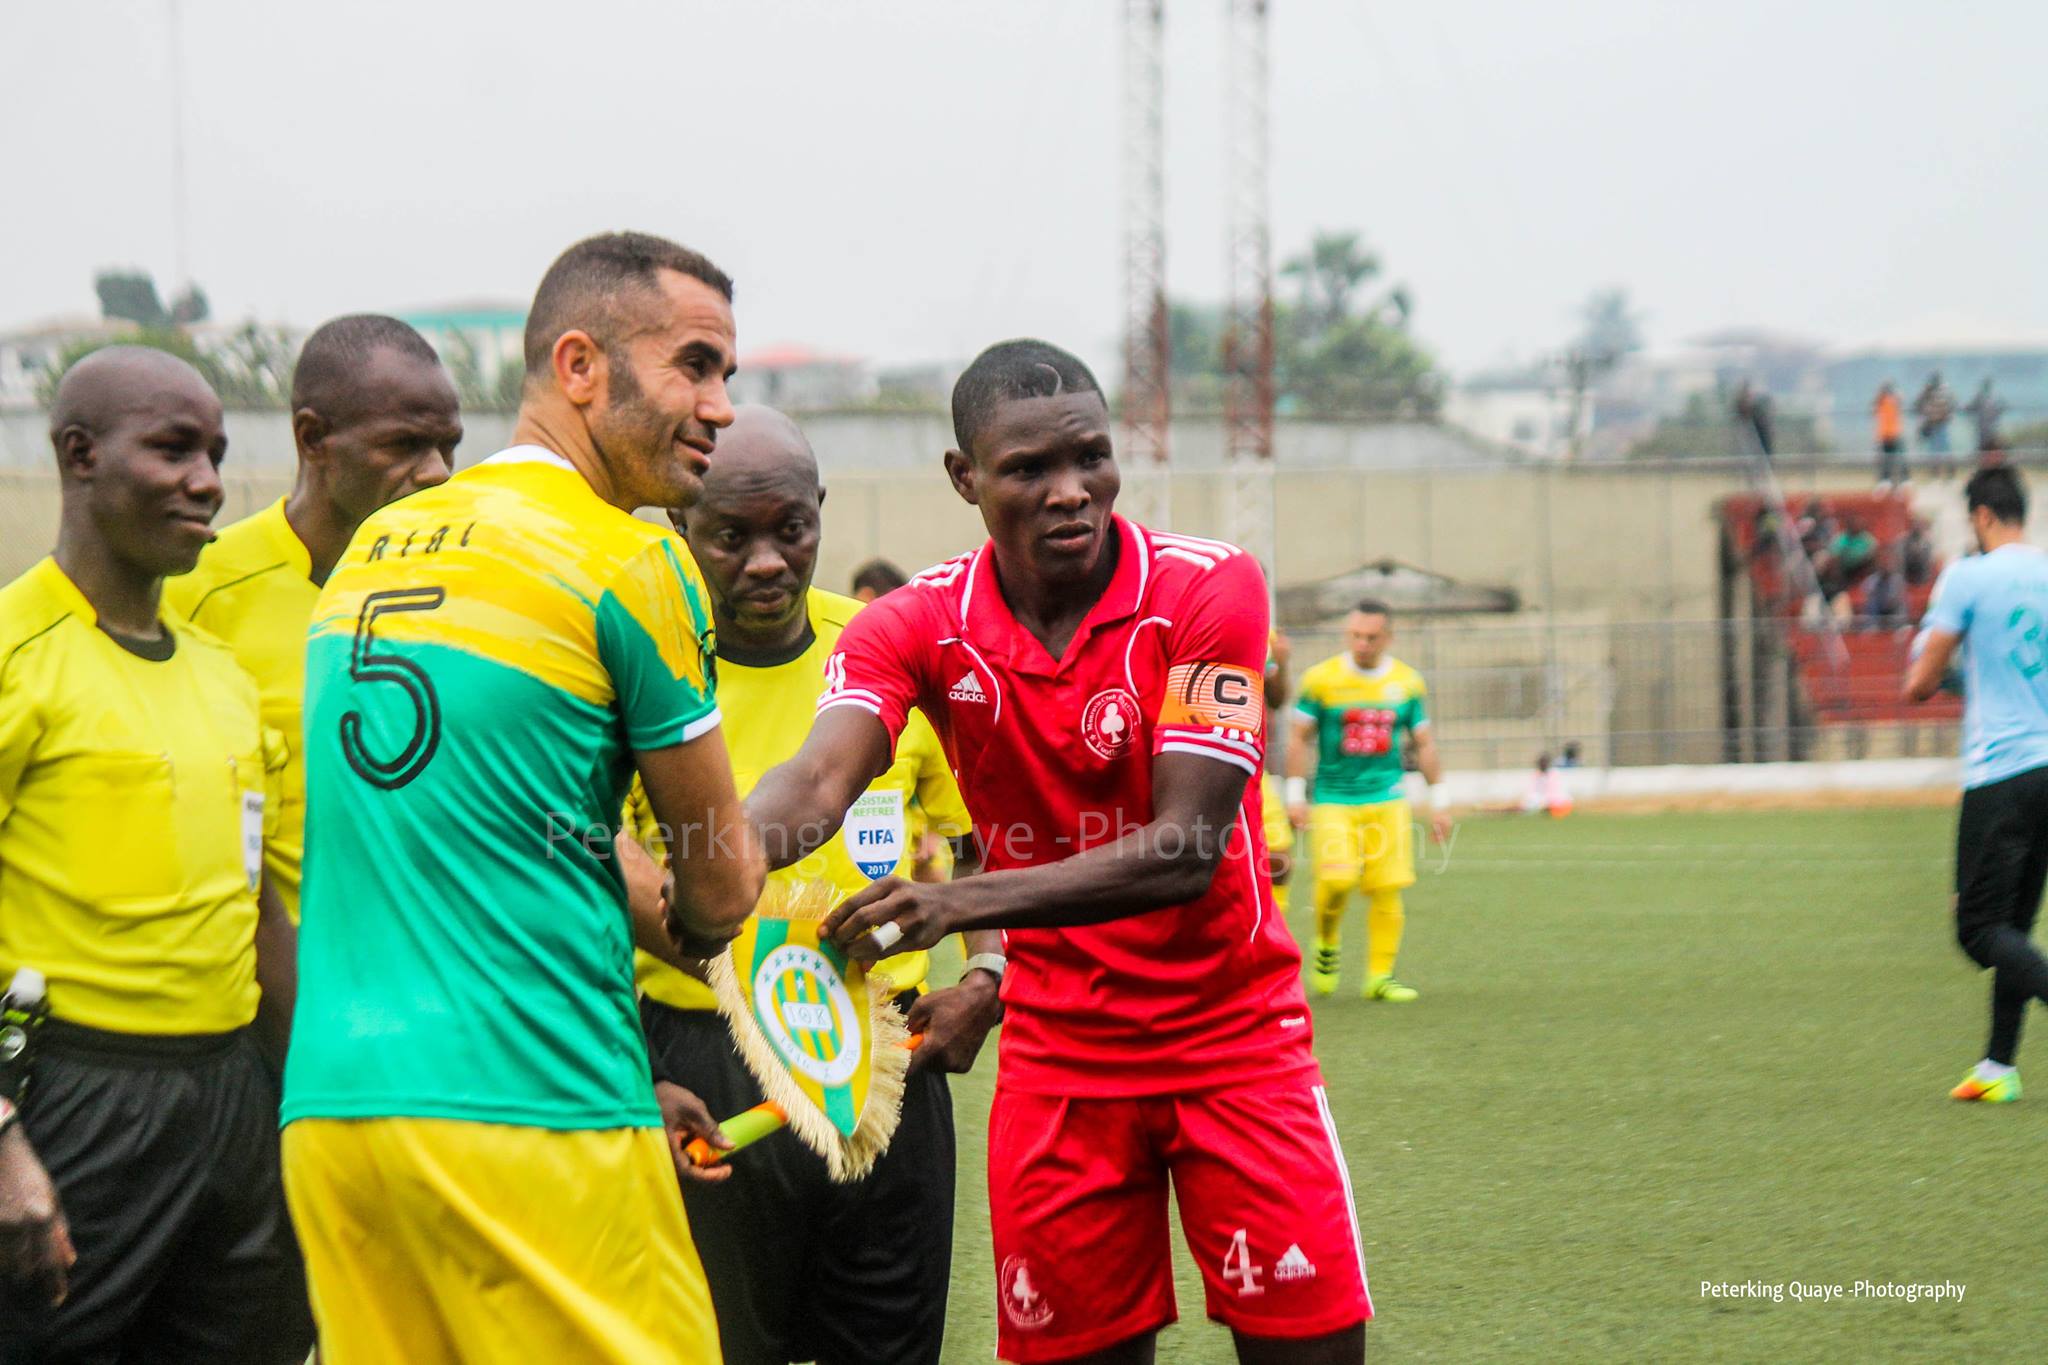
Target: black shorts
pixel 801 1268
pixel 164 1152
pixel 2002 853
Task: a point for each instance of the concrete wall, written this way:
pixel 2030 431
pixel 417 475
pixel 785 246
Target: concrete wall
pixel 890 442
pixel 1630 546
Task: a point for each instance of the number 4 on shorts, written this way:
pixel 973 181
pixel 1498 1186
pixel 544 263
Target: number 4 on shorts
pixel 1240 1269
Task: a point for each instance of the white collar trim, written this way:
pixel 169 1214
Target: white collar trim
pixel 530 454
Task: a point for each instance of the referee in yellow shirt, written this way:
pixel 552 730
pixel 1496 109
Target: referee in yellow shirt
pixel 800 1268
pixel 134 774
pixel 374 417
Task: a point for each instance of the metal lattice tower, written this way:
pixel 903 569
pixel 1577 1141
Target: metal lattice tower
pixel 1248 330
pixel 1148 351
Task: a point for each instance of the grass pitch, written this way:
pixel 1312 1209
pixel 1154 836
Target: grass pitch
pixel 1651 1051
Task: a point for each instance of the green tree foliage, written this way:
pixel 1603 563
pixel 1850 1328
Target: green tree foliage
pixel 478 389
pixel 1339 348
pixel 131 296
pixel 252 369
pixel 1609 327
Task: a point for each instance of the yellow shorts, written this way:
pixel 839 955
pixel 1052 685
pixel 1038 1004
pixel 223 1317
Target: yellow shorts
pixel 438 1240
pixel 1369 847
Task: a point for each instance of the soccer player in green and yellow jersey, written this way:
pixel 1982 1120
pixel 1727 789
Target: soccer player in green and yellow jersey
pixel 374 417
pixel 1353 712
pixel 801 1268
pixel 473 1149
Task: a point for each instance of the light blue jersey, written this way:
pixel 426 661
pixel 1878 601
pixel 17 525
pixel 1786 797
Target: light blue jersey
pixel 1998 604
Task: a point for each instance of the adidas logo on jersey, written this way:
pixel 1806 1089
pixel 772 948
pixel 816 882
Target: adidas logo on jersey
pixel 1294 1266
pixel 967 689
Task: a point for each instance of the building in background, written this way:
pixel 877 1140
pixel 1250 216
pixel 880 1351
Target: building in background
pixel 2015 363
pixel 1526 409
pixel 481 341
pixel 797 378
pixel 33 351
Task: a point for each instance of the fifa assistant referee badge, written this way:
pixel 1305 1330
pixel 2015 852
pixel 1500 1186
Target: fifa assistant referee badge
pixel 995 964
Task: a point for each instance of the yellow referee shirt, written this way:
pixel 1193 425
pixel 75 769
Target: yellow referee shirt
pixel 132 799
pixel 254 590
pixel 768 713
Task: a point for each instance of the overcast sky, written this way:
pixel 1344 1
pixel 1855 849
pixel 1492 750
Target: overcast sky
pixel 911 179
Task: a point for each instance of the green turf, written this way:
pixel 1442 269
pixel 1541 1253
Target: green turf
pixel 1651 1051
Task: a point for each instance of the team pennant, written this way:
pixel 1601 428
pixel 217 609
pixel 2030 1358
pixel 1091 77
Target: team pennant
pixel 815 1029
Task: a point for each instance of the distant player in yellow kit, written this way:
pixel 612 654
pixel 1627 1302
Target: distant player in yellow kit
pixel 1353 710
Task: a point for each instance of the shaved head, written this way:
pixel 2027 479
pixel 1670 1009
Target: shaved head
pixel 139 441
pixel 762 449
pixel 116 382
pixel 754 532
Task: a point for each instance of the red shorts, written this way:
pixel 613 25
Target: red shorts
pixel 1077 1200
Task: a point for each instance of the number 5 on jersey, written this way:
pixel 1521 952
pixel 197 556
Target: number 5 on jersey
pixel 368 664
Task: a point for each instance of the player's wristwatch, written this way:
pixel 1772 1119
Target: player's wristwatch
pixel 995 964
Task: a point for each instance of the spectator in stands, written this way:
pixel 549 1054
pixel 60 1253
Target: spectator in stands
pixel 1854 548
pixel 1753 415
pixel 1884 599
pixel 1843 562
pixel 1891 435
pixel 1985 409
pixel 1817 529
pixel 1935 406
pixel 1570 757
pixel 1916 554
pixel 877 578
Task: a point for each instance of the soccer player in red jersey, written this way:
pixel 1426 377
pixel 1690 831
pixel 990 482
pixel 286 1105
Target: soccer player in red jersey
pixel 1098 688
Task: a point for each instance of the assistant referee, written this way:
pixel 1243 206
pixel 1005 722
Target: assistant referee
pixel 374 418
pixel 134 777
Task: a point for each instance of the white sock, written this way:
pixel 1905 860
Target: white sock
pixel 1988 1070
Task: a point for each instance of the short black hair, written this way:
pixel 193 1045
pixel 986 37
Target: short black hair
pixel 2000 489
pixel 1020 368
pixel 583 288
pixel 337 349
pixel 879 576
pixel 1373 606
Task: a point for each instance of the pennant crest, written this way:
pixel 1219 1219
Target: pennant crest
pixel 816 1030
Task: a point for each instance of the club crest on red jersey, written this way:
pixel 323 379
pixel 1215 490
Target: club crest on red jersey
pixel 1023 1305
pixel 1109 722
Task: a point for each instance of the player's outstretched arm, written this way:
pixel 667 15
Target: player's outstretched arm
pixel 1169 861
pixel 800 804
pixel 714 852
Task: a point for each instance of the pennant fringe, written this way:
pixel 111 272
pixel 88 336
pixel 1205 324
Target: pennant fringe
pixel 847 1158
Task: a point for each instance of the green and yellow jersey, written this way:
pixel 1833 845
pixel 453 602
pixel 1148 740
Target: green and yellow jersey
pixel 1360 717
pixel 133 811
pixel 768 715
pixel 254 591
pixel 483 664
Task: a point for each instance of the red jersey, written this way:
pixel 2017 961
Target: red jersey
pixel 1054 757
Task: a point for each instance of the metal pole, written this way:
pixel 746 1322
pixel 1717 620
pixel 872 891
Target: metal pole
pixel 180 245
pixel 1248 332
pixel 1148 345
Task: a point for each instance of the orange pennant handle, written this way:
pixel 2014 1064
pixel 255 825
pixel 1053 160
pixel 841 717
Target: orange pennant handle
pixel 744 1129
